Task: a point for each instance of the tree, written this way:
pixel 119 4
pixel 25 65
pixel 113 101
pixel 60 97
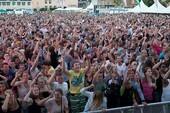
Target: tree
pixel 148 2
pixel 118 2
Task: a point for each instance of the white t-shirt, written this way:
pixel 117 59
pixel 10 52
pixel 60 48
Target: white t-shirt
pixel 33 72
pixel 121 69
pixel 166 93
pixel 53 107
pixel 63 86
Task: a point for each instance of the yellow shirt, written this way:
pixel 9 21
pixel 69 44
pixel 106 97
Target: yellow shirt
pixel 76 81
pixel 51 71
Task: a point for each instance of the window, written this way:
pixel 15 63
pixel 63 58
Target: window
pixel 45 1
pixel 49 1
pixel 3 3
pixel 29 3
pixel 23 3
pixel 18 3
pixel 8 3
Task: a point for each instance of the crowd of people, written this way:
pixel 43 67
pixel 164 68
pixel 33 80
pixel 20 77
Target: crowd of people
pixel 75 62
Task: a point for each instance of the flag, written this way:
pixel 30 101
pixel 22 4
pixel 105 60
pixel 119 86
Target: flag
pixel 12 2
pixel 138 2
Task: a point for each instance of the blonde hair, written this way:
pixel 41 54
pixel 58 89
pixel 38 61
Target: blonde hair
pixel 97 100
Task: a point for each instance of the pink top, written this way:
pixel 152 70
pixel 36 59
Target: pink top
pixel 157 48
pixel 147 90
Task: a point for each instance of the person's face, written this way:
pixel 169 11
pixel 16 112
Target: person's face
pixel 60 79
pixel 5 68
pixel 1 60
pixel 2 87
pixel 144 53
pixel 149 73
pixel 41 82
pixel 17 61
pixel 75 54
pixel 134 65
pixel 76 66
pixel 22 68
pixel 164 68
pixel 114 69
pixel 168 53
pixel 132 74
pixel 58 95
pixel 36 91
pixel 6 56
pixel 116 54
pixel 12 64
pixel 100 77
pixel 164 48
pixel 25 76
pixel 119 59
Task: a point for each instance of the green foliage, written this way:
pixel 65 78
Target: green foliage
pixel 53 8
pixel 148 2
pixel 118 2
pixel 43 9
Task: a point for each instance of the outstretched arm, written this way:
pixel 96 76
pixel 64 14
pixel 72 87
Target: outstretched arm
pixel 88 64
pixel 64 68
pixel 167 75
pixel 95 75
pixel 5 104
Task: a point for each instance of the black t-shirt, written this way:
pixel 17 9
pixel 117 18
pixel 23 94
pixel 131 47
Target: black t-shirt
pixel 127 97
pixel 54 59
pixel 34 108
pixel 113 95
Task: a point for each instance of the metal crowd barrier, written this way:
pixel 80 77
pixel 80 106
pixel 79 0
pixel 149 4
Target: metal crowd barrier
pixel 162 107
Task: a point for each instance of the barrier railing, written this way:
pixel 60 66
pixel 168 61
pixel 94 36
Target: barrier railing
pixel 161 107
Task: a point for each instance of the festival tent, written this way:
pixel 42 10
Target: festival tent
pixel 161 8
pixel 157 8
pixel 140 8
pixel 73 9
pixel 166 10
pixel 136 9
pixel 90 7
pixel 143 7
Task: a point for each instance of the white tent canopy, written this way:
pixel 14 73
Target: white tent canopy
pixel 135 9
pixel 143 7
pixel 90 7
pixel 74 9
pixel 157 7
pixel 165 10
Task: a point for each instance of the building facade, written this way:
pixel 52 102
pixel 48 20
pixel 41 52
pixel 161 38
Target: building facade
pixel 16 4
pixel 66 3
pixel 37 4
